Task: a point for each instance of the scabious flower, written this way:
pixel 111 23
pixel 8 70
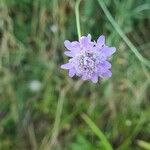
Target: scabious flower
pixel 88 59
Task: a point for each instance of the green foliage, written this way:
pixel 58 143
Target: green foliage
pixel 105 143
pixel 82 143
pixel 144 144
pixel 41 107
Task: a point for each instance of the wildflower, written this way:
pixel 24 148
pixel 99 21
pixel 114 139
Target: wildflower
pixel 88 59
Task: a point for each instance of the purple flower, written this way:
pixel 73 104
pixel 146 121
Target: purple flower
pixel 88 59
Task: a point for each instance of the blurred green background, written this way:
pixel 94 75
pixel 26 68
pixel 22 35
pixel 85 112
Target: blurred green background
pixel 41 108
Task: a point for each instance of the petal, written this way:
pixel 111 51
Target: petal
pixel 107 73
pixel 68 45
pixel 75 47
pixel 94 79
pixel 106 65
pixel 67 66
pixel 101 56
pixel 75 44
pixel 72 72
pixel 108 51
pixel 72 45
pixel 84 77
pixel 101 41
pixel 86 42
pixel 85 38
pixel 69 53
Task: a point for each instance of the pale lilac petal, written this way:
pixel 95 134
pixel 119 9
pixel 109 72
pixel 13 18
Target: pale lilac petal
pixel 106 65
pixel 94 79
pixel 75 47
pixel 67 66
pixel 86 42
pixel 101 41
pixel 69 53
pixel 68 45
pixel 108 51
pixel 84 39
pixel 102 57
pixel 107 73
pixel 72 46
pixel 75 44
pixel 72 72
pixel 84 77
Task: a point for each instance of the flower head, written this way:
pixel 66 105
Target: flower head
pixel 88 59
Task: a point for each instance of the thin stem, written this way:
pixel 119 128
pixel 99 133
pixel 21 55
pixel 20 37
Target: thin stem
pixel 98 132
pixel 121 33
pixel 78 18
pixel 48 143
pixel 32 136
pixel 143 144
pixel 57 118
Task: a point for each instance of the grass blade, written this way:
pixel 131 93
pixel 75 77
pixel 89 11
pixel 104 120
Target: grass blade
pixel 144 144
pixel 97 132
pixel 121 33
pixel 78 18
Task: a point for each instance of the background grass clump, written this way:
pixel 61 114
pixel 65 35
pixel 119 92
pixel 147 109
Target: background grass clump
pixel 41 108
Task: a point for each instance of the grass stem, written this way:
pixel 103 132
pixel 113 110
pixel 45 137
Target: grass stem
pixel 78 18
pixel 98 132
pixel 143 60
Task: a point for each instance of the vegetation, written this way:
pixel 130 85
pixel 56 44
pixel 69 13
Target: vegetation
pixel 41 108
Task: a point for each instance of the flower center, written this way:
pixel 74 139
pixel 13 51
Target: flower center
pixel 86 63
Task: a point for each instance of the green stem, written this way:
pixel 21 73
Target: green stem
pixel 78 18
pixel 58 116
pixel 98 132
pixel 121 33
pixel 144 145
